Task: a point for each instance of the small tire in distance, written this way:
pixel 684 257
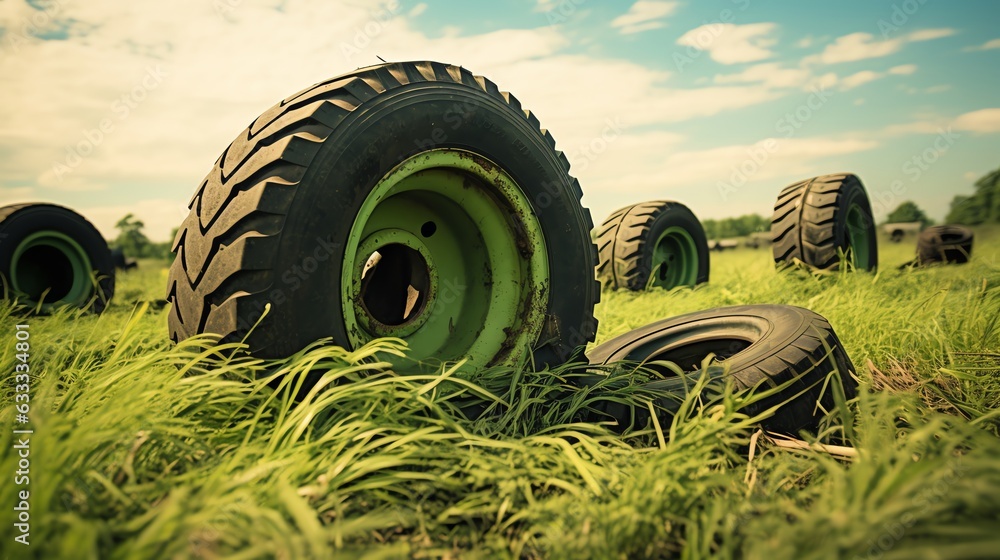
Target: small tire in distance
pixel 763 345
pixel 817 219
pixel 659 243
pixel 945 244
pixel 52 255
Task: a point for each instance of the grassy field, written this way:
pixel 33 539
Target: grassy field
pixel 142 449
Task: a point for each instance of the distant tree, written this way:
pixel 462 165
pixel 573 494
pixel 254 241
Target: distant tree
pixel 131 240
pixel 738 226
pixel 983 206
pixel 134 243
pixel 909 212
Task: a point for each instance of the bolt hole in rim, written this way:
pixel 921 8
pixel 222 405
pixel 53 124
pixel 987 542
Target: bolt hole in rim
pixel 857 236
pixel 675 244
pixel 456 229
pixel 50 260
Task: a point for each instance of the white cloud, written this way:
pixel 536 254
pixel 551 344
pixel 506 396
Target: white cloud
pixel 771 74
pixel 648 167
pixel 159 216
pixel 982 121
pixel 988 45
pixel 971 175
pixel 417 10
pixel 643 16
pixel 729 43
pixel 14 195
pixel 223 68
pixel 929 34
pixel 940 88
pixel 861 46
pixel 858 79
pixel 903 70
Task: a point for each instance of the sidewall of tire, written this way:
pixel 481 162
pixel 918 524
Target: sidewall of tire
pixel 855 193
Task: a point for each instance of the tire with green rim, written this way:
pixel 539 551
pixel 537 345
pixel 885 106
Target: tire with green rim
pixel 652 244
pixel 51 256
pixel 411 200
pixel 817 220
pixel 762 346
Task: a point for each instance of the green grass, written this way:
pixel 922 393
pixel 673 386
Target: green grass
pixel 143 449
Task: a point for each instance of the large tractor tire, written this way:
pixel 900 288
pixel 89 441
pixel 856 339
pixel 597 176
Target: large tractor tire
pixel 411 200
pixel 652 244
pixel 763 345
pixel 944 244
pixel 817 220
pixel 50 256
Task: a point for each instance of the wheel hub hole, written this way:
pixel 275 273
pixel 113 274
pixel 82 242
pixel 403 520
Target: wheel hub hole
pixel 662 272
pixel 428 229
pixel 44 267
pixel 689 356
pixel 394 284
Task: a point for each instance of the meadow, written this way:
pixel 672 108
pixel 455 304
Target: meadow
pixel 146 449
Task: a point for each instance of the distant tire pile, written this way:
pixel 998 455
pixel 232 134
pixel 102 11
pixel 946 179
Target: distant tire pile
pixel 50 256
pixel 348 211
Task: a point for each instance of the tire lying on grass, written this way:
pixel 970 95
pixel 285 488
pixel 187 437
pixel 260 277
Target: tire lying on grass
pixel 944 244
pixel 51 256
pixel 122 263
pixel 817 219
pixel 763 345
pixel 412 200
pixel 659 243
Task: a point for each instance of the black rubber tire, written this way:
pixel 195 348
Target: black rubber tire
pixel 295 178
pixel 810 221
pixel 18 221
pixel 627 237
pixel 122 263
pixel 764 345
pixel 945 244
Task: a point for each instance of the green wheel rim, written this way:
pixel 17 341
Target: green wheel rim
pixel 675 259
pixel 857 237
pixel 50 260
pixel 446 254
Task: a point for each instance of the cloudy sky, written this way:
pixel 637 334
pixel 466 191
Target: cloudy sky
pixel 112 107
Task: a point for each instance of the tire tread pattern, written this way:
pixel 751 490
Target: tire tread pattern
pixel 225 247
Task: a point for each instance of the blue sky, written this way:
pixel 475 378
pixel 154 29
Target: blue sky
pixel 114 107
